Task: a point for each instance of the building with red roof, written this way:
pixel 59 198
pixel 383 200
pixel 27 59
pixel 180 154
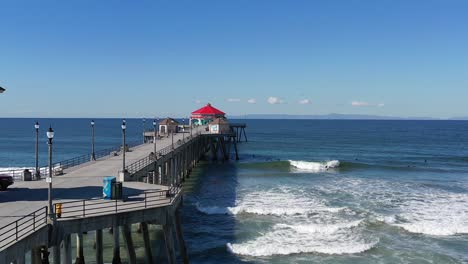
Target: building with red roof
pixel 205 115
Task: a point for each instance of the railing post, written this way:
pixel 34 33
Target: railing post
pixel 34 221
pixel 116 206
pixel 16 222
pixel 145 199
pixel 84 213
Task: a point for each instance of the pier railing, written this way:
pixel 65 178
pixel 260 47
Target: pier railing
pixel 94 207
pixel 22 227
pixel 28 224
pixel 17 174
pixel 148 160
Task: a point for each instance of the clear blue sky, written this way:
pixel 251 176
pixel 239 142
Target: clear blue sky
pixel 103 58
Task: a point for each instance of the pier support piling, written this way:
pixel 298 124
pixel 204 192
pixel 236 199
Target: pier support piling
pixel 127 232
pixel 66 254
pixel 180 237
pixel 36 255
pixel 116 258
pixel 99 247
pixel 147 242
pixel 56 253
pixel 169 242
pixel 79 249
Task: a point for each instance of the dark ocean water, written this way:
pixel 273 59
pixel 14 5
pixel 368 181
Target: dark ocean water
pixel 323 191
pixel 307 191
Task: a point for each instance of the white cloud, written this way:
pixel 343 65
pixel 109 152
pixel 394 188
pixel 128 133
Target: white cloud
pixel 274 100
pixel 361 103
pixel 252 101
pixel 233 100
pixel 197 101
pixel 304 101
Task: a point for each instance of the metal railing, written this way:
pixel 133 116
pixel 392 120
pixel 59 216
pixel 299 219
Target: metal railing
pixel 22 227
pixel 148 160
pixel 17 174
pixel 65 164
pixel 94 207
pixel 28 224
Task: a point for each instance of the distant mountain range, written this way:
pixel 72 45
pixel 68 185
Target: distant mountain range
pixel 338 116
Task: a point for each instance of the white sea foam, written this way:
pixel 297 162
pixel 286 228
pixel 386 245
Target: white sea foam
pixel 388 219
pixel 290 239
pixel 416 208
pixel 278 202
pixel 314 166
pixel 438 214
pixel 322 228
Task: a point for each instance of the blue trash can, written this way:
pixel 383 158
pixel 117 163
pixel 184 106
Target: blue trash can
pixel 107 188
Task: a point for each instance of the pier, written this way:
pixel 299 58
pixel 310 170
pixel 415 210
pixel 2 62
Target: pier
pixel 152 195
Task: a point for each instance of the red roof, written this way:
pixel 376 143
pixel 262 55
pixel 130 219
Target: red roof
pixel 207 110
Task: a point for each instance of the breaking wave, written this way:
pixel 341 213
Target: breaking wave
pixel 436 214
pixel 310 238
pixel 272 202
pixel 314 166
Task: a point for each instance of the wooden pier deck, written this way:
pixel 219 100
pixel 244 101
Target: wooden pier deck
pixel 82 182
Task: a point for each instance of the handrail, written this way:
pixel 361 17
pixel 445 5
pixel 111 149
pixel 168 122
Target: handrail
pixel 148 160
pixel 94 207
pixel 23 226
pixel 32 222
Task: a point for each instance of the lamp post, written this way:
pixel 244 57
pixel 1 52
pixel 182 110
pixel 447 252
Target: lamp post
pixel 172 135
pixel 124 127
pixel 50 136
pixel 191 125
pixel 183 132
pixel 93 155
pixel 2 89
pixel 38 172
pixel 144 128
pixel 155 135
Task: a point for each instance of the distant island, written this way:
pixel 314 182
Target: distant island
pixel 335 116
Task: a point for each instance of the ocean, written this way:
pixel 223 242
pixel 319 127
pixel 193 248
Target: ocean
pixel 307 191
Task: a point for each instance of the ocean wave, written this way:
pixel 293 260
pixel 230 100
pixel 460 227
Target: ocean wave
pixel 315 166
pixel 435 229
pixel 437 214
pixel 278 202
pixel 322 228
pixel 429 211
pixel 294 239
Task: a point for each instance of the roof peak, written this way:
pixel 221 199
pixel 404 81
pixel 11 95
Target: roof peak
pixel 208 110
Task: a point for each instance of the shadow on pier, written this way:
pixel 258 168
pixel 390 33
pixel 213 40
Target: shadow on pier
pixel 75 193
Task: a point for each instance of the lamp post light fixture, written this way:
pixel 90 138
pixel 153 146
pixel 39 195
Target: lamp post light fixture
pixel 38 171
pixel 124 127
pixel 155 136
pixel 2 89
pixel 50 136
pixel 93 154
